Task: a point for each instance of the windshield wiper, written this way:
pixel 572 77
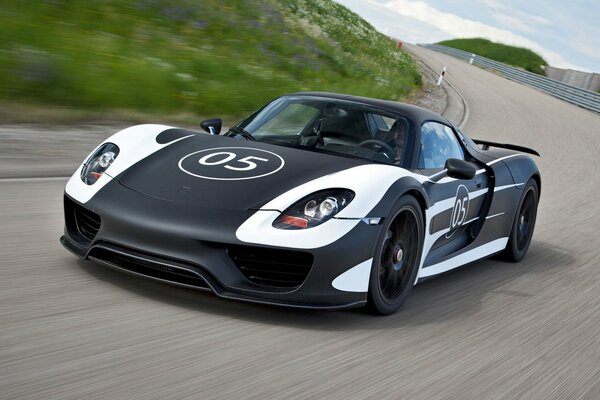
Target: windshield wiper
pixel 236 130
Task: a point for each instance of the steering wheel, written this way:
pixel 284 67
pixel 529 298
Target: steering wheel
pixel 379 145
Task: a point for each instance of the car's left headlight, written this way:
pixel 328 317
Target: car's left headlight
pixel 98 163
pixel 314 209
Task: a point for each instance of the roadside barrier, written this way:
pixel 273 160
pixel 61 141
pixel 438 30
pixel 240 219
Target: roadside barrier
pixel 581 97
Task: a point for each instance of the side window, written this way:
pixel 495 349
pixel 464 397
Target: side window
pixel 438 143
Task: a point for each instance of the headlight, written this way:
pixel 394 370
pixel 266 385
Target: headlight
pixel 99 162
pixel 315 209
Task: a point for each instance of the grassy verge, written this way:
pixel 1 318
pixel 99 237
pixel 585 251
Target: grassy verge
pixel 184 58
pixel 516 56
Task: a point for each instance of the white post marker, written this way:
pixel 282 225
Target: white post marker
pixel 472 59
pixel 441 78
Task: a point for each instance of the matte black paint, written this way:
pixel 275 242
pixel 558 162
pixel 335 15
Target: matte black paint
pixel 159 175
pixel 171 135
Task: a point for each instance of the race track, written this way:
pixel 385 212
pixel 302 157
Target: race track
pixel 72 329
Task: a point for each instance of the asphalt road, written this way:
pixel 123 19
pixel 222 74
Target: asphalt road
pixel 72 330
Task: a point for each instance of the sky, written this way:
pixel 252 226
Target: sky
pixel 565 33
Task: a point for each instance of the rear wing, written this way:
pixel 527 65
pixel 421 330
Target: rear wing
pixel 486 145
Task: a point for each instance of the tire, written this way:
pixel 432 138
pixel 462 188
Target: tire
pixel 397 257
pixel 523 225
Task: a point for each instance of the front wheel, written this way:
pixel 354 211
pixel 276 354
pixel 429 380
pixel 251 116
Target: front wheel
pixel 397 257
pixel 523 224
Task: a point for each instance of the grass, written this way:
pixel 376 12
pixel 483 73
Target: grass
pixel 516 56
pixel 185 57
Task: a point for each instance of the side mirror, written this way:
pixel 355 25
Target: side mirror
pixel 460 169
pixel 212 126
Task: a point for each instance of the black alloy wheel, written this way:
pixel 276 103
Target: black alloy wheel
pixel 524 224
pixel 397 260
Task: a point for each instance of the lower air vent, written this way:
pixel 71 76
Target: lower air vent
pixel 87 223
pixel 268 267
pixel 153 268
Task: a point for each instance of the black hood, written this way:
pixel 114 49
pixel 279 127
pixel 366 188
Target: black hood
pixel 225 173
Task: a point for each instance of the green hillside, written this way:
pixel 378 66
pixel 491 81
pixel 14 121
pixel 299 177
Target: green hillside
pixel 210 57
pixel 516 56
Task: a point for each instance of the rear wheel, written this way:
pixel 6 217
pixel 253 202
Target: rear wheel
pixel 397 257
pixel 523 225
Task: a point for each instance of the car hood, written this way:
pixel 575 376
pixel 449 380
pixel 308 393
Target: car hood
pixel 225 173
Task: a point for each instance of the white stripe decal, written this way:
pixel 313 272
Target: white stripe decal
pixel 504 158
pixel 471 220
pixel 259 229
pixel 494 216
pixel 135 143
pixel 437 209
pixel 512 185
pixel 469 256
pixel 356 279
pixel 442 172
pixel 370 183
pixel 430 213
pixel 446 204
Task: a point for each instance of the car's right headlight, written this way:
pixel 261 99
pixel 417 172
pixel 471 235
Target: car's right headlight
pixel 314 209
pixel 98 163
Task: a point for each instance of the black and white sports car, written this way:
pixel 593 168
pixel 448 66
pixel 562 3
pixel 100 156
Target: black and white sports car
pixel 317 200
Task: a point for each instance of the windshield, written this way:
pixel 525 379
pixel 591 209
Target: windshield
pixel 322 124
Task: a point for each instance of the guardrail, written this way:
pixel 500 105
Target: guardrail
pixel 581 97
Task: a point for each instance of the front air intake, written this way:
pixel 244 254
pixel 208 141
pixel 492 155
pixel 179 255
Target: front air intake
pixel 81 222
pixel 269 267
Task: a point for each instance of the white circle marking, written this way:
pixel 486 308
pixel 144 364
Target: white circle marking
pixel 229 148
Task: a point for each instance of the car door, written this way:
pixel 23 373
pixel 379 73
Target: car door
pixel 456 206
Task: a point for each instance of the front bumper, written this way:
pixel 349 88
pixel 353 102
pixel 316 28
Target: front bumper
pixel 163 241
pixel 188 276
